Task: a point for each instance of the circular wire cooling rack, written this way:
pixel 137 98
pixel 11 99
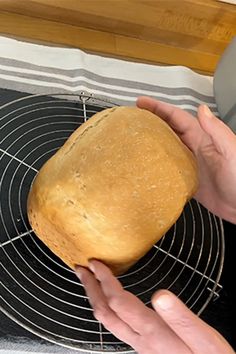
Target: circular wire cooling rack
pixel 37 290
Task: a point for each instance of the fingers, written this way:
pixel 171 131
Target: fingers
pixel 126 316
pixel 222 136
pixel 102 312
pixel 132 311
pixel 182 122
pixel 177 118
pixel 129 308
pixel 110 285
pixel 191 130
pixel 197 335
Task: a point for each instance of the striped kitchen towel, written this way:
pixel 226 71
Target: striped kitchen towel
pixel 33 68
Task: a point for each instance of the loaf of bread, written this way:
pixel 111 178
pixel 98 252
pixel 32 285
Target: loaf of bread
pixel 113 189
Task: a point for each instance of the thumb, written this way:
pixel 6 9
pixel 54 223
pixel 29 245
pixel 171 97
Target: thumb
pixel 221 135
pixel 194 332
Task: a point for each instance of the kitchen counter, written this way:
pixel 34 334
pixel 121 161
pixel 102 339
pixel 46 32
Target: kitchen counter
pixel 192 33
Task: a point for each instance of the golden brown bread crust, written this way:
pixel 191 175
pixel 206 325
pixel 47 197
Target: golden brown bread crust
pixel 116 186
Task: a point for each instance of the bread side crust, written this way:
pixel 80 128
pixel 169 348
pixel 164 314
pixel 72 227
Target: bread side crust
pixel 112 191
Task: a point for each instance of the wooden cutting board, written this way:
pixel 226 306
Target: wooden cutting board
pixel 193 33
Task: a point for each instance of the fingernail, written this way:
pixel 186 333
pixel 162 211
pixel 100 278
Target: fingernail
pixel 78 271
pixel 91 267
pixel 165 302
pixel 207 111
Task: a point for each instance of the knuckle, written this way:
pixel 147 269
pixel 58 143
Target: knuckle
pixel 116 301
pixel 100 314
pixel 107 323
pixel 150 329
pixel 113 301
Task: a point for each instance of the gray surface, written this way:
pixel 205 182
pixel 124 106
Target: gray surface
pixel 225 86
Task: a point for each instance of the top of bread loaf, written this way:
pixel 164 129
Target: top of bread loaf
pixel 113 189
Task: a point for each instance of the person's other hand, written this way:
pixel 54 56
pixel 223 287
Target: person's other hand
pixel 170 328
pixel 214 146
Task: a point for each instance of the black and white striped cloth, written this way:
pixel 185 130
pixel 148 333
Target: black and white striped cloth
pixel 48 70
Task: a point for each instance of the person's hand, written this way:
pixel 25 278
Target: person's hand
pixel 170 328
pixel 214 146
